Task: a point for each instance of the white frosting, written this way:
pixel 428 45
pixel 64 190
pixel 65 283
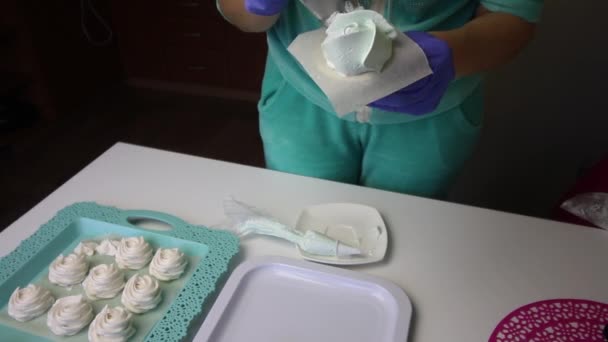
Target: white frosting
pixel 111 325
pixel 103 281
pixel 69 270
pixel 69 315
pixel 168 264
pixel 141 294
pixel 108 247
pixel 358 41
pixel 133 253
pixel 86 247
pixel 29 302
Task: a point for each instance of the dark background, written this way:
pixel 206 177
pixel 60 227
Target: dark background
pixel 176 76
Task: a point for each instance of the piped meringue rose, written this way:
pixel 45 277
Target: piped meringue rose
pixel 168 264
pixel 358 41
pixel 133 253
pixel 108 247
pixel 141 294
pixel 111 325
pixel 69 315
pixel 104 281
pixel 69 270
pixel 86 247
pixel 29 302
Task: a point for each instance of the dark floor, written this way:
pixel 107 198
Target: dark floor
pixel 36 160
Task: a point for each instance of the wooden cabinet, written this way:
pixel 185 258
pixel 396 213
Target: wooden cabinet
pixel 187 42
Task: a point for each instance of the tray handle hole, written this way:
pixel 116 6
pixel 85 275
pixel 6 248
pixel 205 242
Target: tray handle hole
pixel 148 223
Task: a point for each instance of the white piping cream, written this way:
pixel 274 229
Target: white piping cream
pixel 69 270
pixel 69 315
pixel 141 294
pixel 168 264
pixel 111 325
pixel 29 302
pixel 103 281
pixel 358 41
pixel 133 253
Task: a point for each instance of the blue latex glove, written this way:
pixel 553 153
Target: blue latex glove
pixel 265 7
pixel 423 96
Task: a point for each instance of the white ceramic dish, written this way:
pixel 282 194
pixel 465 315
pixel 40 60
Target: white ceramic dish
pixel 275 299
pixel 358 225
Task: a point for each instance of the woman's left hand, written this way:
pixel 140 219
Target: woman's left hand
pixel 423 96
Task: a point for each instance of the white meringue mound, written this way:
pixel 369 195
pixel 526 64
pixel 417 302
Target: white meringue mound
pixel 111 325
pixel 29 302
pixel 141 294
pixel 69 315
pixel 108 247
pixel 104 281
pixel 69 270
pixel 358 41
pixel 168 264
pixel 133 253
pixel 86 247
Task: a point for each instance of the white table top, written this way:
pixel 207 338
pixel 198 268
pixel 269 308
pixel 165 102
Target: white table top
pixel 464 268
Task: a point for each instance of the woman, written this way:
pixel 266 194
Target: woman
pixel 413 141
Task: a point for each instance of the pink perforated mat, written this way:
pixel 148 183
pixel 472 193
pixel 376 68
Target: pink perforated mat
pixel 557 320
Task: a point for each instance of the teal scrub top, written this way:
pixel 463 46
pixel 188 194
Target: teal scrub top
pixel 406 15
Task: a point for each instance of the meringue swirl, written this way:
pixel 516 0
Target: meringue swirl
pixel 86 247
pixel 103 281
pixel 133 253
pixel 29 302
pixel 358 41
pixel 141 294
pixel 168 264
pixel 111 325
pixel 69 270
pixel 108 247
pixel 69 315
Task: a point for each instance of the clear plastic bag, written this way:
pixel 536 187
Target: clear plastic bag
pixel 592 207
pixel 245 220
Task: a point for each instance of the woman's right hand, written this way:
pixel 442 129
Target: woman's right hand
pixel 265 7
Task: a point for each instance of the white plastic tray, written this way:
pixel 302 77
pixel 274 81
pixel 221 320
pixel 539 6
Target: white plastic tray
pixel 274 299
pixel 358 225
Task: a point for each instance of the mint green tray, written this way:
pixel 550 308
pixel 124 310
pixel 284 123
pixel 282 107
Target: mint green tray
pixel 185 300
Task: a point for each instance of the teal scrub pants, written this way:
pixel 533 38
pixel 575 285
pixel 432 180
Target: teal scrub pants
pixel 419 157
